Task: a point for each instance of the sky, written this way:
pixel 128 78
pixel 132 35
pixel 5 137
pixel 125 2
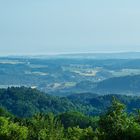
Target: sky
pixel 69 26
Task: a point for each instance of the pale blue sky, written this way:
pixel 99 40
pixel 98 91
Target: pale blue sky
pixel 55 26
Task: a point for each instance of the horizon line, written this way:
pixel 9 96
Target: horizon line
pixel 66 53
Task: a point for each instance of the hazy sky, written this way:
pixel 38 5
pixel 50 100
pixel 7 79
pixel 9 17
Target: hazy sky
pixel 54 26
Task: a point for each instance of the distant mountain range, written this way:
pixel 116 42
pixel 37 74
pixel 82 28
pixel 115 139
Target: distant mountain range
pixel 105 55
pixel 113 55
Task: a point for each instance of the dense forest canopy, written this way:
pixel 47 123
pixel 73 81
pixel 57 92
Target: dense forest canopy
pixel 114 124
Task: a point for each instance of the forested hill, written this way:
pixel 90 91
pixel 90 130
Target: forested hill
pixel 114 124
pixel 24 102
pixel 129 83
pixel 118 85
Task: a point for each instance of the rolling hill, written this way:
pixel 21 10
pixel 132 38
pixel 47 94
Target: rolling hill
pixel 25 102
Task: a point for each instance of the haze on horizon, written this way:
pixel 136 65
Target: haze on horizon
pixel 39 27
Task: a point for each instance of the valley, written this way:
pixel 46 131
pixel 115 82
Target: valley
pixel 62 75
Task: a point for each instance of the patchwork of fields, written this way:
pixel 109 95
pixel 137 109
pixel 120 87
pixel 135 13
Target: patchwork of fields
pixel 62 75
